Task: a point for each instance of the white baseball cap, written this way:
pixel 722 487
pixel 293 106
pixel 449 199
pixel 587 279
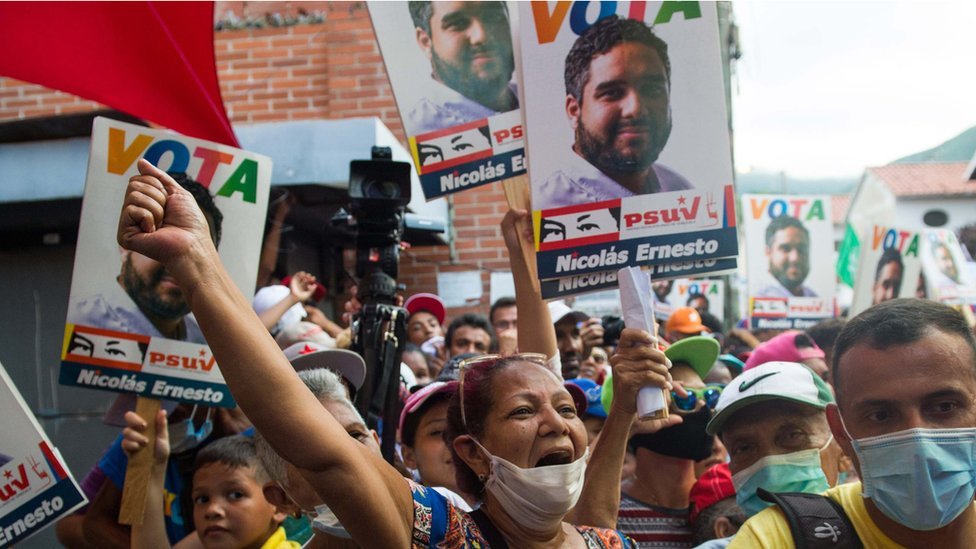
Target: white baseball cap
pixel 773 380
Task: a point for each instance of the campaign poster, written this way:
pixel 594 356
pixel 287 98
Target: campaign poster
pixel 452 69
pixel 786 289
pixel 627 132
pixel 558 288
pixel 36 488
pixel 129 328
pixel 944 267
pixel 889 267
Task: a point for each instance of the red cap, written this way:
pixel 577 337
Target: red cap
pixel 426 302
pixel 713 486
pixel 319 288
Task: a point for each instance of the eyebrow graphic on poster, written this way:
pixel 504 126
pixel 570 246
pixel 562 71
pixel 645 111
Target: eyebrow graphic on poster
pixel 452 68
pixel 944 266
pixel 129 326
pixel 36 488
pixel 786 289
pixel 626 125
pixel 889 267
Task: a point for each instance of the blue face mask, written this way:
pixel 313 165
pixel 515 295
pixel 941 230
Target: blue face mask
pixel 920 478
pixel 184 436
pixel 794 472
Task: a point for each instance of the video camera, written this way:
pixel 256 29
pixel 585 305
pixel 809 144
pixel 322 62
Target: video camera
pixel 379 190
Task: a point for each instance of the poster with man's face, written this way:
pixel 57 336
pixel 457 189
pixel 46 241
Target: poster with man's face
pixel 628 135
pixel 944 267
pixel 889 267
pixel 452 69
pixel 36 488
pixel 129 326
pixel 790 260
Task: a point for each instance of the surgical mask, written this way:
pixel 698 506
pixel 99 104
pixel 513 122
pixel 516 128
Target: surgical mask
pixel 323 519
pixel 184 436
pixel 537 497
pixel 794 472
pixel 920 478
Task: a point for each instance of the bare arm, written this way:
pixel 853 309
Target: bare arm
pixel 161 220
pixel 302 287
pixel 101 525
pixel 535 332
pixel 637 363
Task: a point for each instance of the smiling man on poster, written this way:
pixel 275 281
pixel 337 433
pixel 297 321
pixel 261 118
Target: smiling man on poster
pixel 618 85
pixel 469 45
pixel 788 251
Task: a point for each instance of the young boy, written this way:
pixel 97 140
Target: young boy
pixel 229 507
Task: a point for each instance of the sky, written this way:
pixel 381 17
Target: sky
pixel 825 89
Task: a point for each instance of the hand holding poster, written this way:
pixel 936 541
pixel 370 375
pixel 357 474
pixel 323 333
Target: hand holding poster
pixel 628 135
pixel 452 69
pixel 129 327
pixel 36 487
pixel 889 267
pixel 786 289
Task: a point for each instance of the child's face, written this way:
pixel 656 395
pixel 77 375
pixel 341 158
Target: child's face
pixel 229 508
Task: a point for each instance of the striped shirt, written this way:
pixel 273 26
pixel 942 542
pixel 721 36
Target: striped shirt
pixel 654 527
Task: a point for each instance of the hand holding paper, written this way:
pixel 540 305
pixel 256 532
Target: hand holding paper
pixel 638 309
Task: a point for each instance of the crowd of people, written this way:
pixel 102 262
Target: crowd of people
pixel 520 428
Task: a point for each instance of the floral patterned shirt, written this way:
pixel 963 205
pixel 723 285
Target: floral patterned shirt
pixel 438 524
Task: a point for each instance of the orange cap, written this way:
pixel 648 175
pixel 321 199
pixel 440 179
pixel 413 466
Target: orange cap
pixel 685 320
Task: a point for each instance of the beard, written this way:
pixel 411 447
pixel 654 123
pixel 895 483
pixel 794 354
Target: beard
pixel 459 76
pixel 787 281
pixel 601 151
pixel 148 296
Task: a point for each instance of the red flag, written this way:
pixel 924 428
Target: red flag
pixel 153 60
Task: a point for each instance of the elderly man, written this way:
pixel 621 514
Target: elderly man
pixel 905 376
pixel 772 421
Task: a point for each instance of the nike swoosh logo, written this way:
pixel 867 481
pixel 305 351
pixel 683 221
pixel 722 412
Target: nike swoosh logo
pixel 747 384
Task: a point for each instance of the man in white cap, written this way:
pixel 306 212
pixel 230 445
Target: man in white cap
pixel 905 376
pixel 772 421
pixel 568 324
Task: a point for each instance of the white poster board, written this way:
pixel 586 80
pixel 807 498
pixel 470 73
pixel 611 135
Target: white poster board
pixel 790 260
pixel 452 69
pixel 889 267
pixel 110 343
pixel 36 488
pixel 629 147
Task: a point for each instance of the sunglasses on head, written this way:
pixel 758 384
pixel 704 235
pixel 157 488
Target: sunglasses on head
pixel 489 361
pixel 708 395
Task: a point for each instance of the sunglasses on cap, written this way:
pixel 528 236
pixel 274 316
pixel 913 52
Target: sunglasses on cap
pixel 490 361
pixel 708 395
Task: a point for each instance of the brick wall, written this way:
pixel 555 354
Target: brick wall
pixel 326 70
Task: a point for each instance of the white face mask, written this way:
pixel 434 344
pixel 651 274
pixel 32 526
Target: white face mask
pixel 537 498
pixel 323 519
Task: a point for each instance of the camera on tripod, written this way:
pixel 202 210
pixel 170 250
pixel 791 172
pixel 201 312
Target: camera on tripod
pixel 379 190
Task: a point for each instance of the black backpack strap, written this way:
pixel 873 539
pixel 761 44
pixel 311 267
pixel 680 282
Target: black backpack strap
pixel 488 530
pixel 815 520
